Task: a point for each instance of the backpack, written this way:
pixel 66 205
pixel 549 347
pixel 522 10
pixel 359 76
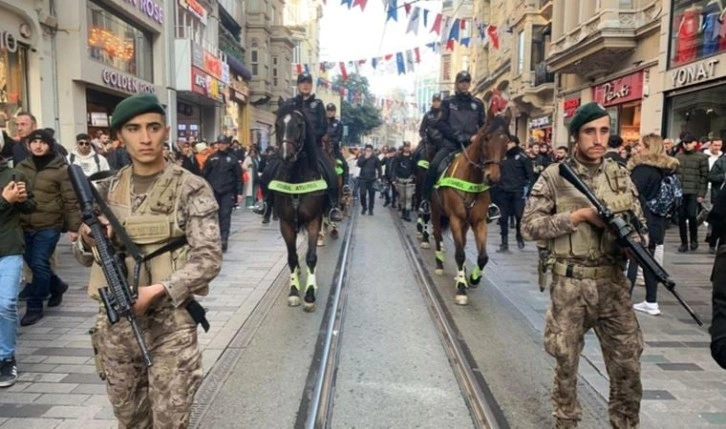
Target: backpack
pixel 669 196
pixel 95 158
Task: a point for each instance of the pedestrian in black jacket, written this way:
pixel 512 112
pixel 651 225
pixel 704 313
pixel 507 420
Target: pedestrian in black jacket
pixel 224 174
pixel 516 174
pixel 402 173
pixel 370 171
pixel 648 169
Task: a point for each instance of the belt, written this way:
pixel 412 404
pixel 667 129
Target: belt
pixel 581 272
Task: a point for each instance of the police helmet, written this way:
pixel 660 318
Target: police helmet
pixel 330 107
pixel 463 76
pixel 304 77
pixel 436 97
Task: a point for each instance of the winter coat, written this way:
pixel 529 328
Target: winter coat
pixel 370 168
pixel 57 203
pixel 516 171
pixel 12 241
pixel 91 163
pixel 693 173
pixel 717 176
pixel 647 172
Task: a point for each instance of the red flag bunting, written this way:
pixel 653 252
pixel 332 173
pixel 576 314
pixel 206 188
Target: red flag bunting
pixel 437 24
pixel 361 3
pixel 417 55
pixel 463 24
pixel 450 44
pixel 299 68
pixel 407 7
pixel 343 71
pixel 388 57
pixel 493 35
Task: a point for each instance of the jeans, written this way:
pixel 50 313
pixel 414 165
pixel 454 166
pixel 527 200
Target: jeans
pixel 39 246
pixel 11 268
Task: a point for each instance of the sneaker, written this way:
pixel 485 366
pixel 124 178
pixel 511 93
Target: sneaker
pixel 8 372
pixel 682 248
pixel 363 211
pixel 648 307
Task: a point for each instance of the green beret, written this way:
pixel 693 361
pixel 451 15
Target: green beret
pixel 134 106
pixel 586 113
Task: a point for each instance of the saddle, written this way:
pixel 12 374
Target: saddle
pixel 446 163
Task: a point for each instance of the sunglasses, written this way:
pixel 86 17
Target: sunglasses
pixel 84 143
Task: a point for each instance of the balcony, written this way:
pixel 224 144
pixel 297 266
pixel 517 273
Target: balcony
pixel 545 9
pixel 597 46
pixel 230 45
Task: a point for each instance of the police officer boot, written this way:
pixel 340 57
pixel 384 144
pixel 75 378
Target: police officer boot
pixel 335 215
pixel 504 247
pixel 268 212
pixel 224 245
pixel 520 241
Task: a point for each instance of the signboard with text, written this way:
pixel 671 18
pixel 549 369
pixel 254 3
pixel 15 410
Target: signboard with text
pixel 570 106
pixel 618 91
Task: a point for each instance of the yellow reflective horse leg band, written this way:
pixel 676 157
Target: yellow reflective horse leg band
pixel 311 282
pixel 295 278
pixel 475 274
pixel 420 220
pixel 440 255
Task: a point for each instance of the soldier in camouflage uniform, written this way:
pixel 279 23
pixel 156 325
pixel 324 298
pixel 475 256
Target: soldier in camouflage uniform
pixel 157 202
pixel 589 288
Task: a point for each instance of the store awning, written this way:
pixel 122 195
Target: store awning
pixel 239 68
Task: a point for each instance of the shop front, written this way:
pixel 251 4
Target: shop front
pixel 622 97
pixel 15 42
pixel 235 122
pixel 113 57
pixel 695 100
pixel 540 130
pixel 201 91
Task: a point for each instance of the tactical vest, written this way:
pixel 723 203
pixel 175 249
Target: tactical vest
pixel 589 243
pixel 153 224
pixel 464 118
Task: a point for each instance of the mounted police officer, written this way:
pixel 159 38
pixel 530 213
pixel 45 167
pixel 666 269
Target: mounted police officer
pixel 314 112
pixel 335 136
pixel 461 117
pixel 223 172
pixel 426 130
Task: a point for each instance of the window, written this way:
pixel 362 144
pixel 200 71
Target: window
pixel 13 74
pixel 116 43
pixel 695 31
pixel 465 62
pixel 274 71
pixel 520 51
pixel 254 59
pixel 446 68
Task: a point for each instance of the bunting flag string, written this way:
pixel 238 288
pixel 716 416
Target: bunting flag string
pixel 356 97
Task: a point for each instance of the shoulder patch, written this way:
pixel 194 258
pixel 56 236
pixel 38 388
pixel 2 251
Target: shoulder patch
pixel 538 186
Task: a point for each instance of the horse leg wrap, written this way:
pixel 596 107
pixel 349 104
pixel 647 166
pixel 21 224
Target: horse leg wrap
pixel 440 256
pixel 295 279
pixel 460 278
pixel 476 274
pixel 311 281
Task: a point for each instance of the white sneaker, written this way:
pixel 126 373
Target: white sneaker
pixel 647 307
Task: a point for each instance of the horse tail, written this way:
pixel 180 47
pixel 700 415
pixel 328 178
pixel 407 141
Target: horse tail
pixel 444 222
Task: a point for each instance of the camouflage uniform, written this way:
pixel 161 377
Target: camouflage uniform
pixel 176 204
pixel 589 288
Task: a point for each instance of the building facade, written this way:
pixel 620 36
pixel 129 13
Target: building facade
pixel 610 51
pixel 459 58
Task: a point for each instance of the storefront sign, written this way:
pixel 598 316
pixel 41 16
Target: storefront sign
pixel 542 122
pixel 570 106
pixel 239 90
pixel 225 73
pixel 200 82
pixel 693 73
pixel 195 8
pixel 8 42
pixel 212 65
pixel 150 8
pixel 197 55
pixel 125 83
pixel 621 90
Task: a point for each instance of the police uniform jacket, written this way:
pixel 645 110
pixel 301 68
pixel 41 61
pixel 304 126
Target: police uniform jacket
pixel 516 171
pixel 461 117
pixel 224 174
pixel 314 112
pixel 335 131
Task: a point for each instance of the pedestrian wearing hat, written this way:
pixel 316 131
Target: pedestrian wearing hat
pixel 160 204
pixel 57 210
pixel 588 288
pixel 461 117
pixel 314 112
pixel 224 173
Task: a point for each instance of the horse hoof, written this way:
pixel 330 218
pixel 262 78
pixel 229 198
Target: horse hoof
pixel 425 245
pixel 461 299
pixel 474 283
pixel 419 235
pixel 439 271
pixel 308 307
pixel 321 243
pixel 334 233
pixel 293 301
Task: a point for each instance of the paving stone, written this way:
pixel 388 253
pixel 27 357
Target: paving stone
pixel 31 423
pixel 36 367
pixel 105 413
pixel 62 399
pixel 83 379
pixel 679 367
pixel 88 424
pixel 660 395
pixel 76 369
pixel 714 418
pixel 90 389
pixel 50 388
pixel 72 360
pixel 65 351
pixel 40 376
pixel 101 400
pixel 17 397
pixel 23 410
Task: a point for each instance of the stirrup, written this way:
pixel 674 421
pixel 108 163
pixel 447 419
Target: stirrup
pixel 493 213
pixel 334 218
pixel 424 207
pixel 346 190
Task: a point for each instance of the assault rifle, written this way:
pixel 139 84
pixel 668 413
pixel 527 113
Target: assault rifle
pixel 624 233
pixel 117 297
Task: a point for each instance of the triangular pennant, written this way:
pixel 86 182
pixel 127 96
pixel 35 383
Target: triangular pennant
pixel 407 7
pixel 493 35
pixel 349 3
pixel 454 33
pixel 361 3
pixel 374 62
pixel 414 20
pixel 426 18
pixel 388 57
pixel 450 44
pixel 299 68
pixel 400 64
pixel 307 68
pixel 417 55
pixel 343 71
pixel 392 10
pixel 465 41
pixel 409 61
pixel 436 28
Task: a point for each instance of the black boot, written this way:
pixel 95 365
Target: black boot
pixel 504 247
pixel 520 242
pixel 224 249
pixel 683 248
pixel 56 296
pixel 32 316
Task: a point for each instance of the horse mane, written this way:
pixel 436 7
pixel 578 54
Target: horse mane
pixel 497 123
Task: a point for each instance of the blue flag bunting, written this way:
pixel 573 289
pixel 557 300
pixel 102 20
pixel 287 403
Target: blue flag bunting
pixel 400 63
pixel 426 18
pixel 454 34
pixel 347 2
pixel 465 41
pixel 374 62
pixel 392 10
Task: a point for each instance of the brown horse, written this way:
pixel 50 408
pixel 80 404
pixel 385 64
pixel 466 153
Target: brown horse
pixel 424 154
pixel 478 164
pixel 298 204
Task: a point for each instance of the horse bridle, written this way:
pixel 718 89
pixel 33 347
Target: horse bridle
pixel 299 145
pixel 480 165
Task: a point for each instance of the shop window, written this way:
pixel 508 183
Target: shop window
pixel 13 86
pixel 701 113
pixel 117 43
pixel 695 31
pixel 629 119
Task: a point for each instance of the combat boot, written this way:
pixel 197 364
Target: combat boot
pixel 504 247
pixel 520 242
pixel 224 246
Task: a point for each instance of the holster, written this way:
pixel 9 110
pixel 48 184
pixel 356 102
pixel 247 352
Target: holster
pixel 198 313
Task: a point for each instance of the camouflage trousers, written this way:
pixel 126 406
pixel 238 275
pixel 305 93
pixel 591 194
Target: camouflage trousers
pixel 160 396
pixel 603 305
